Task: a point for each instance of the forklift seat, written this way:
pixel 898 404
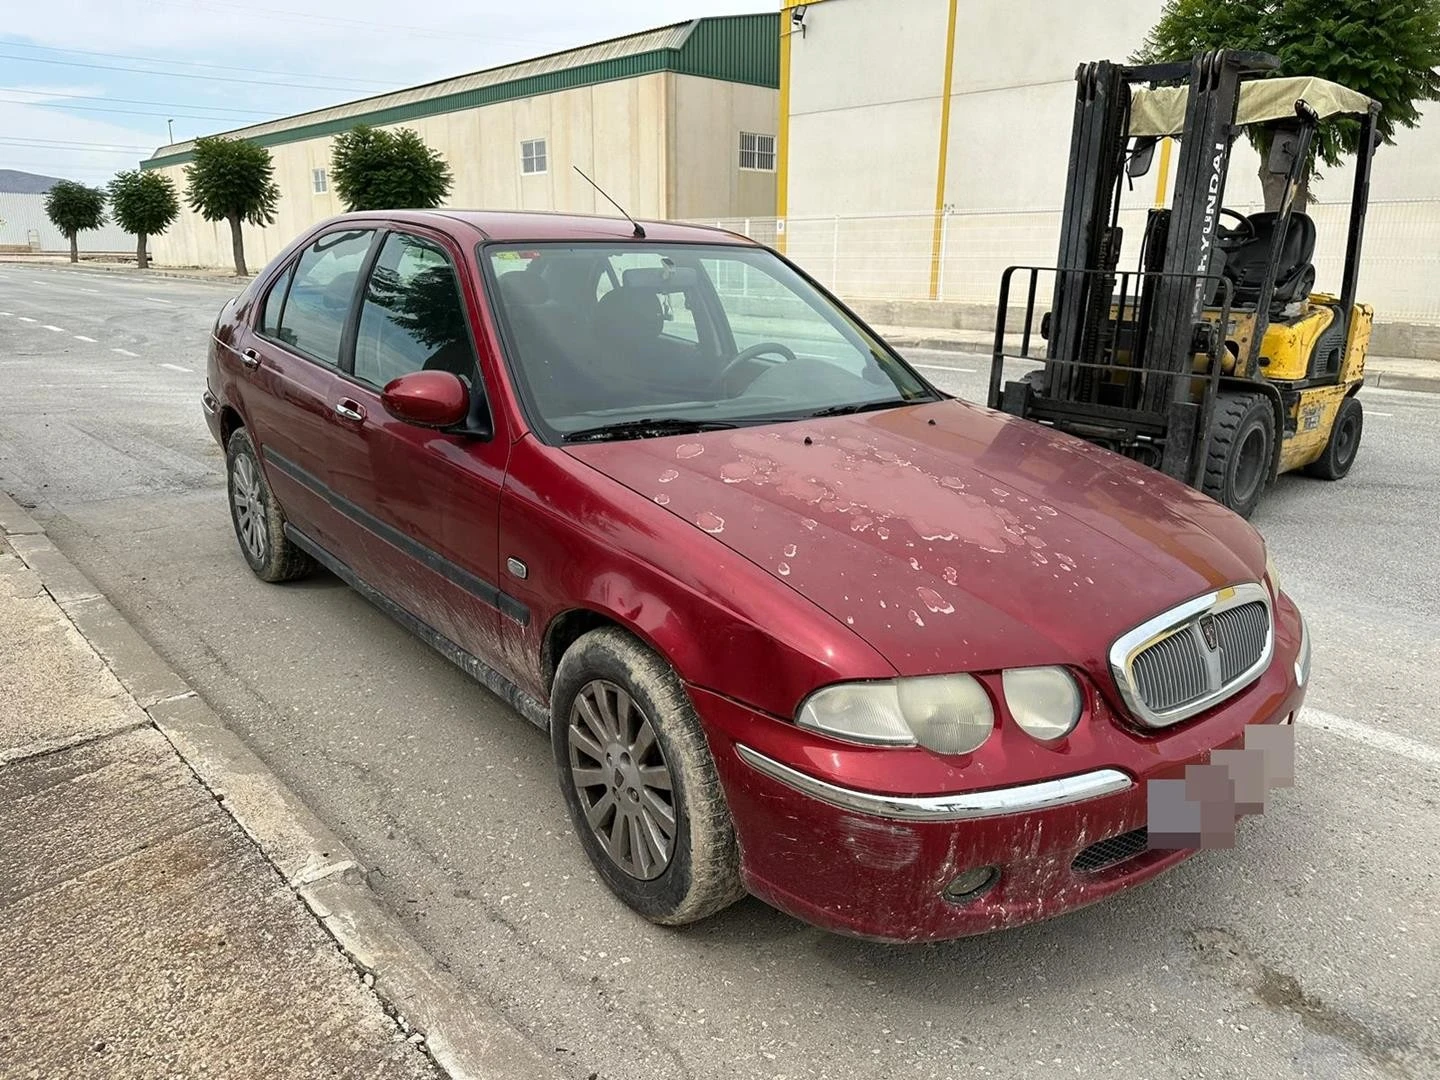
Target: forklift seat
pixel 1245 263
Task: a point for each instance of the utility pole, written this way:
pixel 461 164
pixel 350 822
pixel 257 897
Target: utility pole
pixel 170 126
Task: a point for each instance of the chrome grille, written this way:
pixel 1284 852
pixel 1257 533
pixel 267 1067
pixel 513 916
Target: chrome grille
pixel 1194 656
pixel 1242 632
pixel 1171 673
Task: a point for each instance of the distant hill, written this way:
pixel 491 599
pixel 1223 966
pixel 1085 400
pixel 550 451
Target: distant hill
pixel 26 183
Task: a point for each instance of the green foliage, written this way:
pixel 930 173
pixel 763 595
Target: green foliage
pixel 75 208
pixel 1383 48
pixel 232 180
pixel 375 169
pixel 144 203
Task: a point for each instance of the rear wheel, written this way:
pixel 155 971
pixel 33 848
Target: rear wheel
pixel 1344 442
pixel 638 779
pixel 1242 444
pixel 259 522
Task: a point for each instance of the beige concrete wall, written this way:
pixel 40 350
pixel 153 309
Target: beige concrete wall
pixel 709 116
pixel 865 86
pixel 615 131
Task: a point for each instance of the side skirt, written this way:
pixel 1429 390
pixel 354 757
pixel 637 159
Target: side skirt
pixel 472 665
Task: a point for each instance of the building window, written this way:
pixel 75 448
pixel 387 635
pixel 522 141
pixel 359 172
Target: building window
pixel 319 181
pixel 533 158
pixel 757 151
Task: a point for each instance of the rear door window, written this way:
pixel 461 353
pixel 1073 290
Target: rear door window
pixel 413 317
pixel 321 291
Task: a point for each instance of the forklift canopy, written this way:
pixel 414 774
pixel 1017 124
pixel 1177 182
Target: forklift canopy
pixel 1161 111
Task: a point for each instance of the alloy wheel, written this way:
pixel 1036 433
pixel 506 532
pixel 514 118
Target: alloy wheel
pixel 625 786
pixel 248 506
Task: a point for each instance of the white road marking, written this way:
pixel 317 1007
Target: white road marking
pixel 125 352
pixel 945 367
pixel 157 300
pixel 7 314
pixel 57 329
pixel 1375 737
pixel 34 282
pixel 83 289
pixel 82 337
pixel 177 367
pixel 26 318
pixel 1374 413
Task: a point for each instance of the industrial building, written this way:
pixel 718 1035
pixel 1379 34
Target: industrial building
pixel 677 122
pixel 924 147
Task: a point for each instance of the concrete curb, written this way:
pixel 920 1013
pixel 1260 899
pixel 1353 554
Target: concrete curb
pixel 83 267
pixel 468 1040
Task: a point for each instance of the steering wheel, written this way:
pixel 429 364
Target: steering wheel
pixel 1232 238
pixel 744 356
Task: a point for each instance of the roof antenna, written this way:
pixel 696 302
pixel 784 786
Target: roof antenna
pixel 639 232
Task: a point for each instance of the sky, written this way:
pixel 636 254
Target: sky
pixel 86 86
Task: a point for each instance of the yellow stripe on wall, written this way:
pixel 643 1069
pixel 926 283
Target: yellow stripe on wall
pixel 938 233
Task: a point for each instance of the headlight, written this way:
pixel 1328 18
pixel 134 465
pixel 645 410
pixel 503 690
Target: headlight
pixel 1044 701
pixel 1272 575
pixel 950 714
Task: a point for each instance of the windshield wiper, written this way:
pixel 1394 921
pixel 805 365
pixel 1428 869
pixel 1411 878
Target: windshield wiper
pixel 863 406
pixel 644 429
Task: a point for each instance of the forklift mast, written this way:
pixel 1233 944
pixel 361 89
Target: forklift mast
pixel 1180 254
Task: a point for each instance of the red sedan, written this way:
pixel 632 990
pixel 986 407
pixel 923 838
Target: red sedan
pixel 798 623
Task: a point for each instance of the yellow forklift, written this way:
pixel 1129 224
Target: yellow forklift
pixel 1210 357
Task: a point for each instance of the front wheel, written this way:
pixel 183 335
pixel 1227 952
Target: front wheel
pixel 1241 448
pixel 639 781
pixel 1344 442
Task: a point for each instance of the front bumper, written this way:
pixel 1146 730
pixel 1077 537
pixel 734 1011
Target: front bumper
pixel 820 841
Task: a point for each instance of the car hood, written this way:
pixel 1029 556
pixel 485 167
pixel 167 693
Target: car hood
pixel 948 536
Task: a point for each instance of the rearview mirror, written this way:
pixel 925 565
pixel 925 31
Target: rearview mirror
pixel 1141 157
pixel 1284 143
pixel 661 279
pixel 437 399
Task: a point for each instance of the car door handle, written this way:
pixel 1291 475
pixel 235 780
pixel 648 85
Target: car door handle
pixel 350 410
pixel 250 358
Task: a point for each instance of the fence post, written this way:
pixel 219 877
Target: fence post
pixel 944 249
pixel 835 253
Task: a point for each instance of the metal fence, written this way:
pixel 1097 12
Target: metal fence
pixel 24 226
pixel 892 256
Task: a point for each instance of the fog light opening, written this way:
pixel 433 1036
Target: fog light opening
pixel 971 884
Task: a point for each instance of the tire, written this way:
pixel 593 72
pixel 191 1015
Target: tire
pixel 259 522
pixel 693 873
pixel 1241 448
pixel 1344 442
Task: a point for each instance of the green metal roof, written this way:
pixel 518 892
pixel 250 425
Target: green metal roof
pixel 732 48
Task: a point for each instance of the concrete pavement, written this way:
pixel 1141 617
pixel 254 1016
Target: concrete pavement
pixel 1305 952
pixel 142 933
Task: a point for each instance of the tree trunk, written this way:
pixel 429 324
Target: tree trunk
pixel 141 258
pixel 1273 184
pixel 237 243
pixel 74 248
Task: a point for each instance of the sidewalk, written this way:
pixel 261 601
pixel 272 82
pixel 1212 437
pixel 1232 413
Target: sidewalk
pixel 1381 372
pixel 186 273
pixel 167 908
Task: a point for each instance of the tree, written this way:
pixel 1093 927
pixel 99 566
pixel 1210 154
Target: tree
pixel 144 203
pixel 74 208
pixel 1384 48
pixel 232 180
pixel 375 169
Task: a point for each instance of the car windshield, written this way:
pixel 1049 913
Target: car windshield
pixel 628 340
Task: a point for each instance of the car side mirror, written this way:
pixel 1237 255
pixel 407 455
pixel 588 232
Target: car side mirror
pixel 435 399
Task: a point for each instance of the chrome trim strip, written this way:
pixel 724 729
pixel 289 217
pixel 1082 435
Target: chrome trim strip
pixel 1302 658
pixel 1178 619
pixel 962 807
pixel 209 403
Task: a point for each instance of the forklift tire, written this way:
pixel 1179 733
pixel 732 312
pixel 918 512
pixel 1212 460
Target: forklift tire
pixel 1344 442
pixel 1242 439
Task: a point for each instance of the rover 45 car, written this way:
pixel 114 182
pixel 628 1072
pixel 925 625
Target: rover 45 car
pixel 798 623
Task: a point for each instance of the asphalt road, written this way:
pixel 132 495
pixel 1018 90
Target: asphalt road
pixel 1309 950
